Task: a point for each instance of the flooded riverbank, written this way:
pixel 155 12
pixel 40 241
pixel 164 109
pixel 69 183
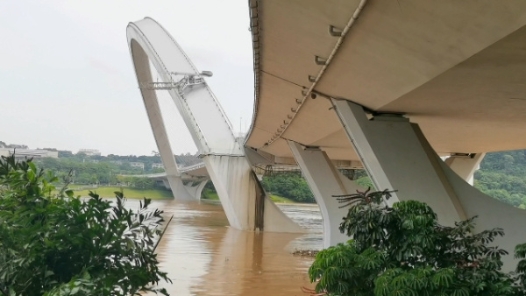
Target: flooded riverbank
pixel 203 256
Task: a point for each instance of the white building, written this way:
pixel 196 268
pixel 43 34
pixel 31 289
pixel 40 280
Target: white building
pixel 157 166
pixel 90 152
pixel 28 153
pixel 137 165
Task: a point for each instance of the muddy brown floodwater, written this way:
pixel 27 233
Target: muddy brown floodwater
pixel 203 256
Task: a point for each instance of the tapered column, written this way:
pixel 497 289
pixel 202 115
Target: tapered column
pixel 237 189
pixel 178 188
pixel 398 157
pixel 465 165
pixel 196 189
pixel 325 181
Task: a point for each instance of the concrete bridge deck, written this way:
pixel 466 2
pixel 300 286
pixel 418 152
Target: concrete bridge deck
pixel 395 85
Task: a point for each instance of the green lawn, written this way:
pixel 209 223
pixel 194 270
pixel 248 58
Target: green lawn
pixel 128 192
pixel 279 199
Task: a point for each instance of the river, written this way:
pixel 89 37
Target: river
pixel 203 256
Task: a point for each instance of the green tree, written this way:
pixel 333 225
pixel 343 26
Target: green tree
pixel 52 243
pixel 289 185
pixel 502 175
pixel 402 250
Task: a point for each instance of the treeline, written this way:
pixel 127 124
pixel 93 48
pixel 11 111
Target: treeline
pixel 101 170
pixel 82 169
pixel 502 175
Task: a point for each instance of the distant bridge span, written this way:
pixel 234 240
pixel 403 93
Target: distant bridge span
pixel 193 177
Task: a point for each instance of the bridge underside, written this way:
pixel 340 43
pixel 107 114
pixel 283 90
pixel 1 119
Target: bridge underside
pixel 455 68
pixel 395 85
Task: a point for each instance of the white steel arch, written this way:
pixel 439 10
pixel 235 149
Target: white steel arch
pixel 244 203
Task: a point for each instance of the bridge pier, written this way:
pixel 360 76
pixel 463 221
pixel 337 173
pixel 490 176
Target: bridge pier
pixel 237 188
pixel 325 181
pixel 397 156
pixel 465 165
pixel 178 188
pixel 195 189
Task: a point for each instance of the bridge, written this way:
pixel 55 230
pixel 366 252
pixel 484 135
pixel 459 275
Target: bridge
pixel 388 85
pixel 244 201
pixel 192 176
pixel 195 175
pixel 394 85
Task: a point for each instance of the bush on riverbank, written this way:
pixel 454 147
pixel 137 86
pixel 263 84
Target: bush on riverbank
pixel 52 243
pixel 402 250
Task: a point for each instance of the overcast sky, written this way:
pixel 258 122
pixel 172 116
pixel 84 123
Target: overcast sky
pixel 67 80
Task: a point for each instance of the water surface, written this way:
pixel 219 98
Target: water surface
pixel 203 256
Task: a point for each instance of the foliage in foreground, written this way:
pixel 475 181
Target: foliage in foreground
pixel 56 244
pixel 402 250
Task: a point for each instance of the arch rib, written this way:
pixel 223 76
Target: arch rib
pixel 211 131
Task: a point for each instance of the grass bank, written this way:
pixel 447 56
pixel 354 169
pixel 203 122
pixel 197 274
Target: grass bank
pixel 104 191
pixel 280 199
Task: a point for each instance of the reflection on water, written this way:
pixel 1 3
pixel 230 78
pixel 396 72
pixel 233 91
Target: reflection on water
pixel 203 256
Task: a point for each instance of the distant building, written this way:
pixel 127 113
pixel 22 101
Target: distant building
pixel 157 166
pixel 90 152
pixel 17 146
pixel 28 153
pixel 137 165
pixel 117 162
pixel 65 153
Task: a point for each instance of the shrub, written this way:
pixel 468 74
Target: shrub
pixel 402 250
pixel 52 243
